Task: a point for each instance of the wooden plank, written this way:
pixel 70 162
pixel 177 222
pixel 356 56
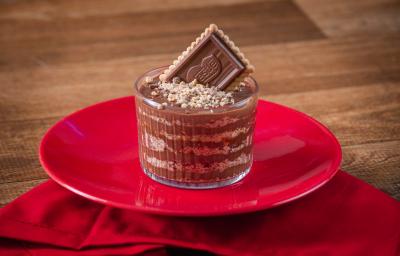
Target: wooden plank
pixel 49 10
pixel 343 17
pixel 356 115
pixel 19 143
pixel 376 163
pixel 10 191
pixel 326 64
pixel 62 40
pixel 55 90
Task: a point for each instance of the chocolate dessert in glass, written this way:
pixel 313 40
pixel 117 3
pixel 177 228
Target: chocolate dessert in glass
pixel 196 117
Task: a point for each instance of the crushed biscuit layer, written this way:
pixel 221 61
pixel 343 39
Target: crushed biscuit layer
pixel 191 95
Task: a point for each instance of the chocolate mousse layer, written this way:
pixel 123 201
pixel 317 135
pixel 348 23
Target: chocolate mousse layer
pixel 193 133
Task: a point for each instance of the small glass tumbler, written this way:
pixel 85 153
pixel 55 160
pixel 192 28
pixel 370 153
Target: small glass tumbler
pixel 195 148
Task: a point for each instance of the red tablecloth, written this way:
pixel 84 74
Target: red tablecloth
pixel 344 217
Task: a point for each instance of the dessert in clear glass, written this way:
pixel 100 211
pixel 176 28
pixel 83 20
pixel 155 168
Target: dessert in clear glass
pixel 192 135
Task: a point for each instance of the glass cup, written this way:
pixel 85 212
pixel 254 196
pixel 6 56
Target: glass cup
pixel 195 148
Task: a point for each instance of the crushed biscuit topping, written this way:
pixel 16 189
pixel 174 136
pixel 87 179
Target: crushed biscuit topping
pixel 191 95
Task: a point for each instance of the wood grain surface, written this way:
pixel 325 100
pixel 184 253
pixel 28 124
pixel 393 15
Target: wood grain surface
pixel 336 60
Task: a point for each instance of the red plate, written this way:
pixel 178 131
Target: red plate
pixel 94 153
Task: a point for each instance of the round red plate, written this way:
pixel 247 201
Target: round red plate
pixel 94 153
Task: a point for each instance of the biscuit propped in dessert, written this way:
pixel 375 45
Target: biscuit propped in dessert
pixel 212 60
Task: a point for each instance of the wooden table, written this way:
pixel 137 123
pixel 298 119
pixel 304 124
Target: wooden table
pixel 336 60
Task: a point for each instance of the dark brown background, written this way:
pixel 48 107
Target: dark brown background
pixel 337 60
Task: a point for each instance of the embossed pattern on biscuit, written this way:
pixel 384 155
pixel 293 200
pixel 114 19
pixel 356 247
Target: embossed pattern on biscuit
pixel 209 69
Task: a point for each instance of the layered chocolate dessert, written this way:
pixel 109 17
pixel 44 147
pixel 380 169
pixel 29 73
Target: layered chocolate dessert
pixel 196 118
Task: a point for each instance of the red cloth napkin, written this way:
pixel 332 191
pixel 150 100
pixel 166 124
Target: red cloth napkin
pixel 344 217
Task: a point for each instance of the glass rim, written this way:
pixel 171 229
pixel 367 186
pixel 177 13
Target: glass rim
pixel 225 108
